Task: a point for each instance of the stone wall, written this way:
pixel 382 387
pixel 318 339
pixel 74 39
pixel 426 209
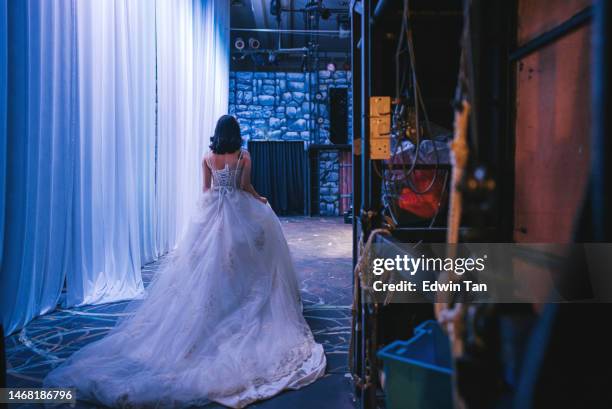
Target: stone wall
pixel 292 106
pixel 329 177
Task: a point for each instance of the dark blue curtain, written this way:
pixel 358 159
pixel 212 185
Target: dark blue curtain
pixel 279 173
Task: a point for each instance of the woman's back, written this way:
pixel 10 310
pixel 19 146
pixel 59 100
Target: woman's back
pixel 226 169
pixel 221 161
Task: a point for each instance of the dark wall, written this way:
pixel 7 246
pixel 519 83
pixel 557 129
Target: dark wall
pixel 553 124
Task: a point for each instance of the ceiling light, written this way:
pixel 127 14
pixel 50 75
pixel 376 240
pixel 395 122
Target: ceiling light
pixel 239 43
pixel 254 43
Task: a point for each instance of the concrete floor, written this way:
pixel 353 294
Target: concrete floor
pixel 321 248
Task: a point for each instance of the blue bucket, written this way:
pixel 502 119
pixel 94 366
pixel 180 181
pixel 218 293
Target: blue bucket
pixel 418 372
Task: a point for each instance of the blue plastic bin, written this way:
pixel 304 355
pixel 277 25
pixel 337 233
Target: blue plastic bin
pixel 418 371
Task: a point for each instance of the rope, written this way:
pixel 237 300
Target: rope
pixel 360 281
pixel 459 157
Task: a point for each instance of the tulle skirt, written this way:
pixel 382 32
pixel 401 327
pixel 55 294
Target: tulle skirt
pixel 222 321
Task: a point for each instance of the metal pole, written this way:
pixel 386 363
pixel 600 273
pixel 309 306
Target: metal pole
pixel 356 85
pixel 368 400
pixel 601 147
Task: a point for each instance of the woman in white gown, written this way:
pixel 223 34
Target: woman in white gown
pixel 222 322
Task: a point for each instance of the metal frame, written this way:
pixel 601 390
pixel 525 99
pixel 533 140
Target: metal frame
pixel 578 20
pixel 600 198
pixel 497 90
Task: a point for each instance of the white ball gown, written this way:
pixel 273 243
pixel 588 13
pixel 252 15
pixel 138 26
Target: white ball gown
pixel 222 322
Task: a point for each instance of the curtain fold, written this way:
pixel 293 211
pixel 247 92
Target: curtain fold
pixel 115 113
pixel 40 158
pixel 3 98
pixel 193 82
pixel 105 112
pixel 279 174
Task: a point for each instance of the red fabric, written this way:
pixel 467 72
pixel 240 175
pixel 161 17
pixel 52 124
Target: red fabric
pixel 422 205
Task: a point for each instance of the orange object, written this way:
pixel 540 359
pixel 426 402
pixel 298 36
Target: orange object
pixel 422 205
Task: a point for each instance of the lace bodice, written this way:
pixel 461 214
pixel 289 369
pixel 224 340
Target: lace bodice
pixel 227 177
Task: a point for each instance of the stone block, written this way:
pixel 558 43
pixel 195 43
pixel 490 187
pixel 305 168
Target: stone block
pixel 261 75
pixel 298 97
pixel 268 89
pixel 274 122
pixel 244 114
pixel 244 76
pixel 291 136
pixel 287 96
pixel 298 125
pixel 291 112
pixel 296 76
pixel 266 100
pixel 296 86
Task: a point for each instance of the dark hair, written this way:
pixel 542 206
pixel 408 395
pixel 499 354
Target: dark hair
pixel 227 136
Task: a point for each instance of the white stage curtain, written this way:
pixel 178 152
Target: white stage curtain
pixel 193 82
pixel 110 107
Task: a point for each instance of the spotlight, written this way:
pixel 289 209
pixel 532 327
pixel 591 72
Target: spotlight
pixel 239 43
pixel 254 43
pixel 331 67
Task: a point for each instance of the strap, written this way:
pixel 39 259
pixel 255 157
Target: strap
pixel 238 168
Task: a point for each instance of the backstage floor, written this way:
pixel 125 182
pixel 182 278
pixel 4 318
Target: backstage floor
pixel 321 248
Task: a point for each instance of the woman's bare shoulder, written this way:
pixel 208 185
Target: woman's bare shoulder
pixel 207 158
pixel 246 156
